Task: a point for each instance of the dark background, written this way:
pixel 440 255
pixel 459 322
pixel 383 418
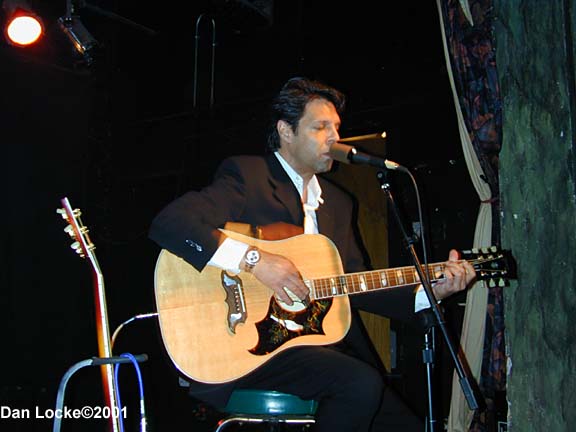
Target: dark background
pixel 122 137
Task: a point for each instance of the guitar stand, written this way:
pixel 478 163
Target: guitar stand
pixel 94 361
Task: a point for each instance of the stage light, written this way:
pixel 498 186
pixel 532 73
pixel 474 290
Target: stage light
pixel 84 43
pixel 23 27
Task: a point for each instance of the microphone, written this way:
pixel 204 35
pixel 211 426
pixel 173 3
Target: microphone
pixel 348 154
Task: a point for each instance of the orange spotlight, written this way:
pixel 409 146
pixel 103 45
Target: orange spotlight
pixel 22 27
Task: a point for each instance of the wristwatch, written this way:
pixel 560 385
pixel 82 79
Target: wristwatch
pixel 251 258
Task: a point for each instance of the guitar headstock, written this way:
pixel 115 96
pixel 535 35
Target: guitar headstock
pixel 493 264
pixel 82 244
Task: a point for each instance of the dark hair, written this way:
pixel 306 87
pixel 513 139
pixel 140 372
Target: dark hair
pixel 290 103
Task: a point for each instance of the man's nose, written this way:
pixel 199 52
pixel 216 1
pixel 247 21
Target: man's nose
pixel 334 135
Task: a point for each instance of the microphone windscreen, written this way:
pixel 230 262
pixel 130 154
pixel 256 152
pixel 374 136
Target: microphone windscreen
pixel 339 152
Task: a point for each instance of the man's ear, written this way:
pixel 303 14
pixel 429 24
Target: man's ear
pixel 284 130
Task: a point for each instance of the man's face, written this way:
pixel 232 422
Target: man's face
pixel 306 150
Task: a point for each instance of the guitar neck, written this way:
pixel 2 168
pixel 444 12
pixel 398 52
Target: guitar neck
pixel 104 342
pixel 356 283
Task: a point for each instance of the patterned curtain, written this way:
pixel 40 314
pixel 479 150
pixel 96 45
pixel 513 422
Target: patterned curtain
pixel 469 45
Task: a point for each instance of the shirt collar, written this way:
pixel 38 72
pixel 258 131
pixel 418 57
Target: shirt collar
pixel 314 189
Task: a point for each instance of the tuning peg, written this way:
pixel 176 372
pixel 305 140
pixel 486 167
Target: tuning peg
pixel 77 248
pixel 69 230
pixel 62 213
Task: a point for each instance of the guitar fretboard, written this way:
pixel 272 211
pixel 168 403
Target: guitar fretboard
pixel 354 283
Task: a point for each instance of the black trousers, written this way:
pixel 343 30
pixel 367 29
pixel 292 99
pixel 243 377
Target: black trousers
pixel 352 395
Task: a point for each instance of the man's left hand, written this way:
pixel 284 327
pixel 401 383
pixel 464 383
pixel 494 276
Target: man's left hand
pixel 458 275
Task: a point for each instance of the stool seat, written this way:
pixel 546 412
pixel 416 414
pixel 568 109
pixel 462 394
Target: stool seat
pixel 268 402
pixel 266 406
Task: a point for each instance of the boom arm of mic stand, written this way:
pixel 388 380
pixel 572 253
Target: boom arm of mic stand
pixel 460 363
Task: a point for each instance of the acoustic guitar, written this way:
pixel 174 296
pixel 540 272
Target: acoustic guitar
pixel 217 326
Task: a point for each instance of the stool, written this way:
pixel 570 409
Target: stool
pixel 270 407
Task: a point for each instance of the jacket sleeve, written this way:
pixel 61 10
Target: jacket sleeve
pixel 188 226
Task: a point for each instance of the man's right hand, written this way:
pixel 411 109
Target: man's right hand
pixel 280 274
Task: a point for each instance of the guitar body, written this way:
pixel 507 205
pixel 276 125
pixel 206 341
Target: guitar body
pixel 217 327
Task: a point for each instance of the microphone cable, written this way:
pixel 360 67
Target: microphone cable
pixel 141 389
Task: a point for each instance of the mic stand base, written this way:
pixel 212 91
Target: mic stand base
pixel 428 359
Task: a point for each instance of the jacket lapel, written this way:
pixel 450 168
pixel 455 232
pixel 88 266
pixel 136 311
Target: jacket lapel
pixel 284 190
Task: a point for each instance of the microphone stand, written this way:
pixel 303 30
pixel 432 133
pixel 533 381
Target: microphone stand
pixel 428 358
pixel 460 363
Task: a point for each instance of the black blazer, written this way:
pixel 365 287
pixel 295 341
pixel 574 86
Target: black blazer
pixel 253 190
pixel 257 190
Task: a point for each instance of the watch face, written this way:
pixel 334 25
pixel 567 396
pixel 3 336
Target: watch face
pixel 252 256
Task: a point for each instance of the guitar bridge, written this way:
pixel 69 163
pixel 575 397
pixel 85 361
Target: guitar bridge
pixel 237 313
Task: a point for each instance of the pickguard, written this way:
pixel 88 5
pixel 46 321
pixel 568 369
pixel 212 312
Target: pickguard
pixel 279 326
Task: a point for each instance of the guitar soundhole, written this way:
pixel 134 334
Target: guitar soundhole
pixel 279 326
